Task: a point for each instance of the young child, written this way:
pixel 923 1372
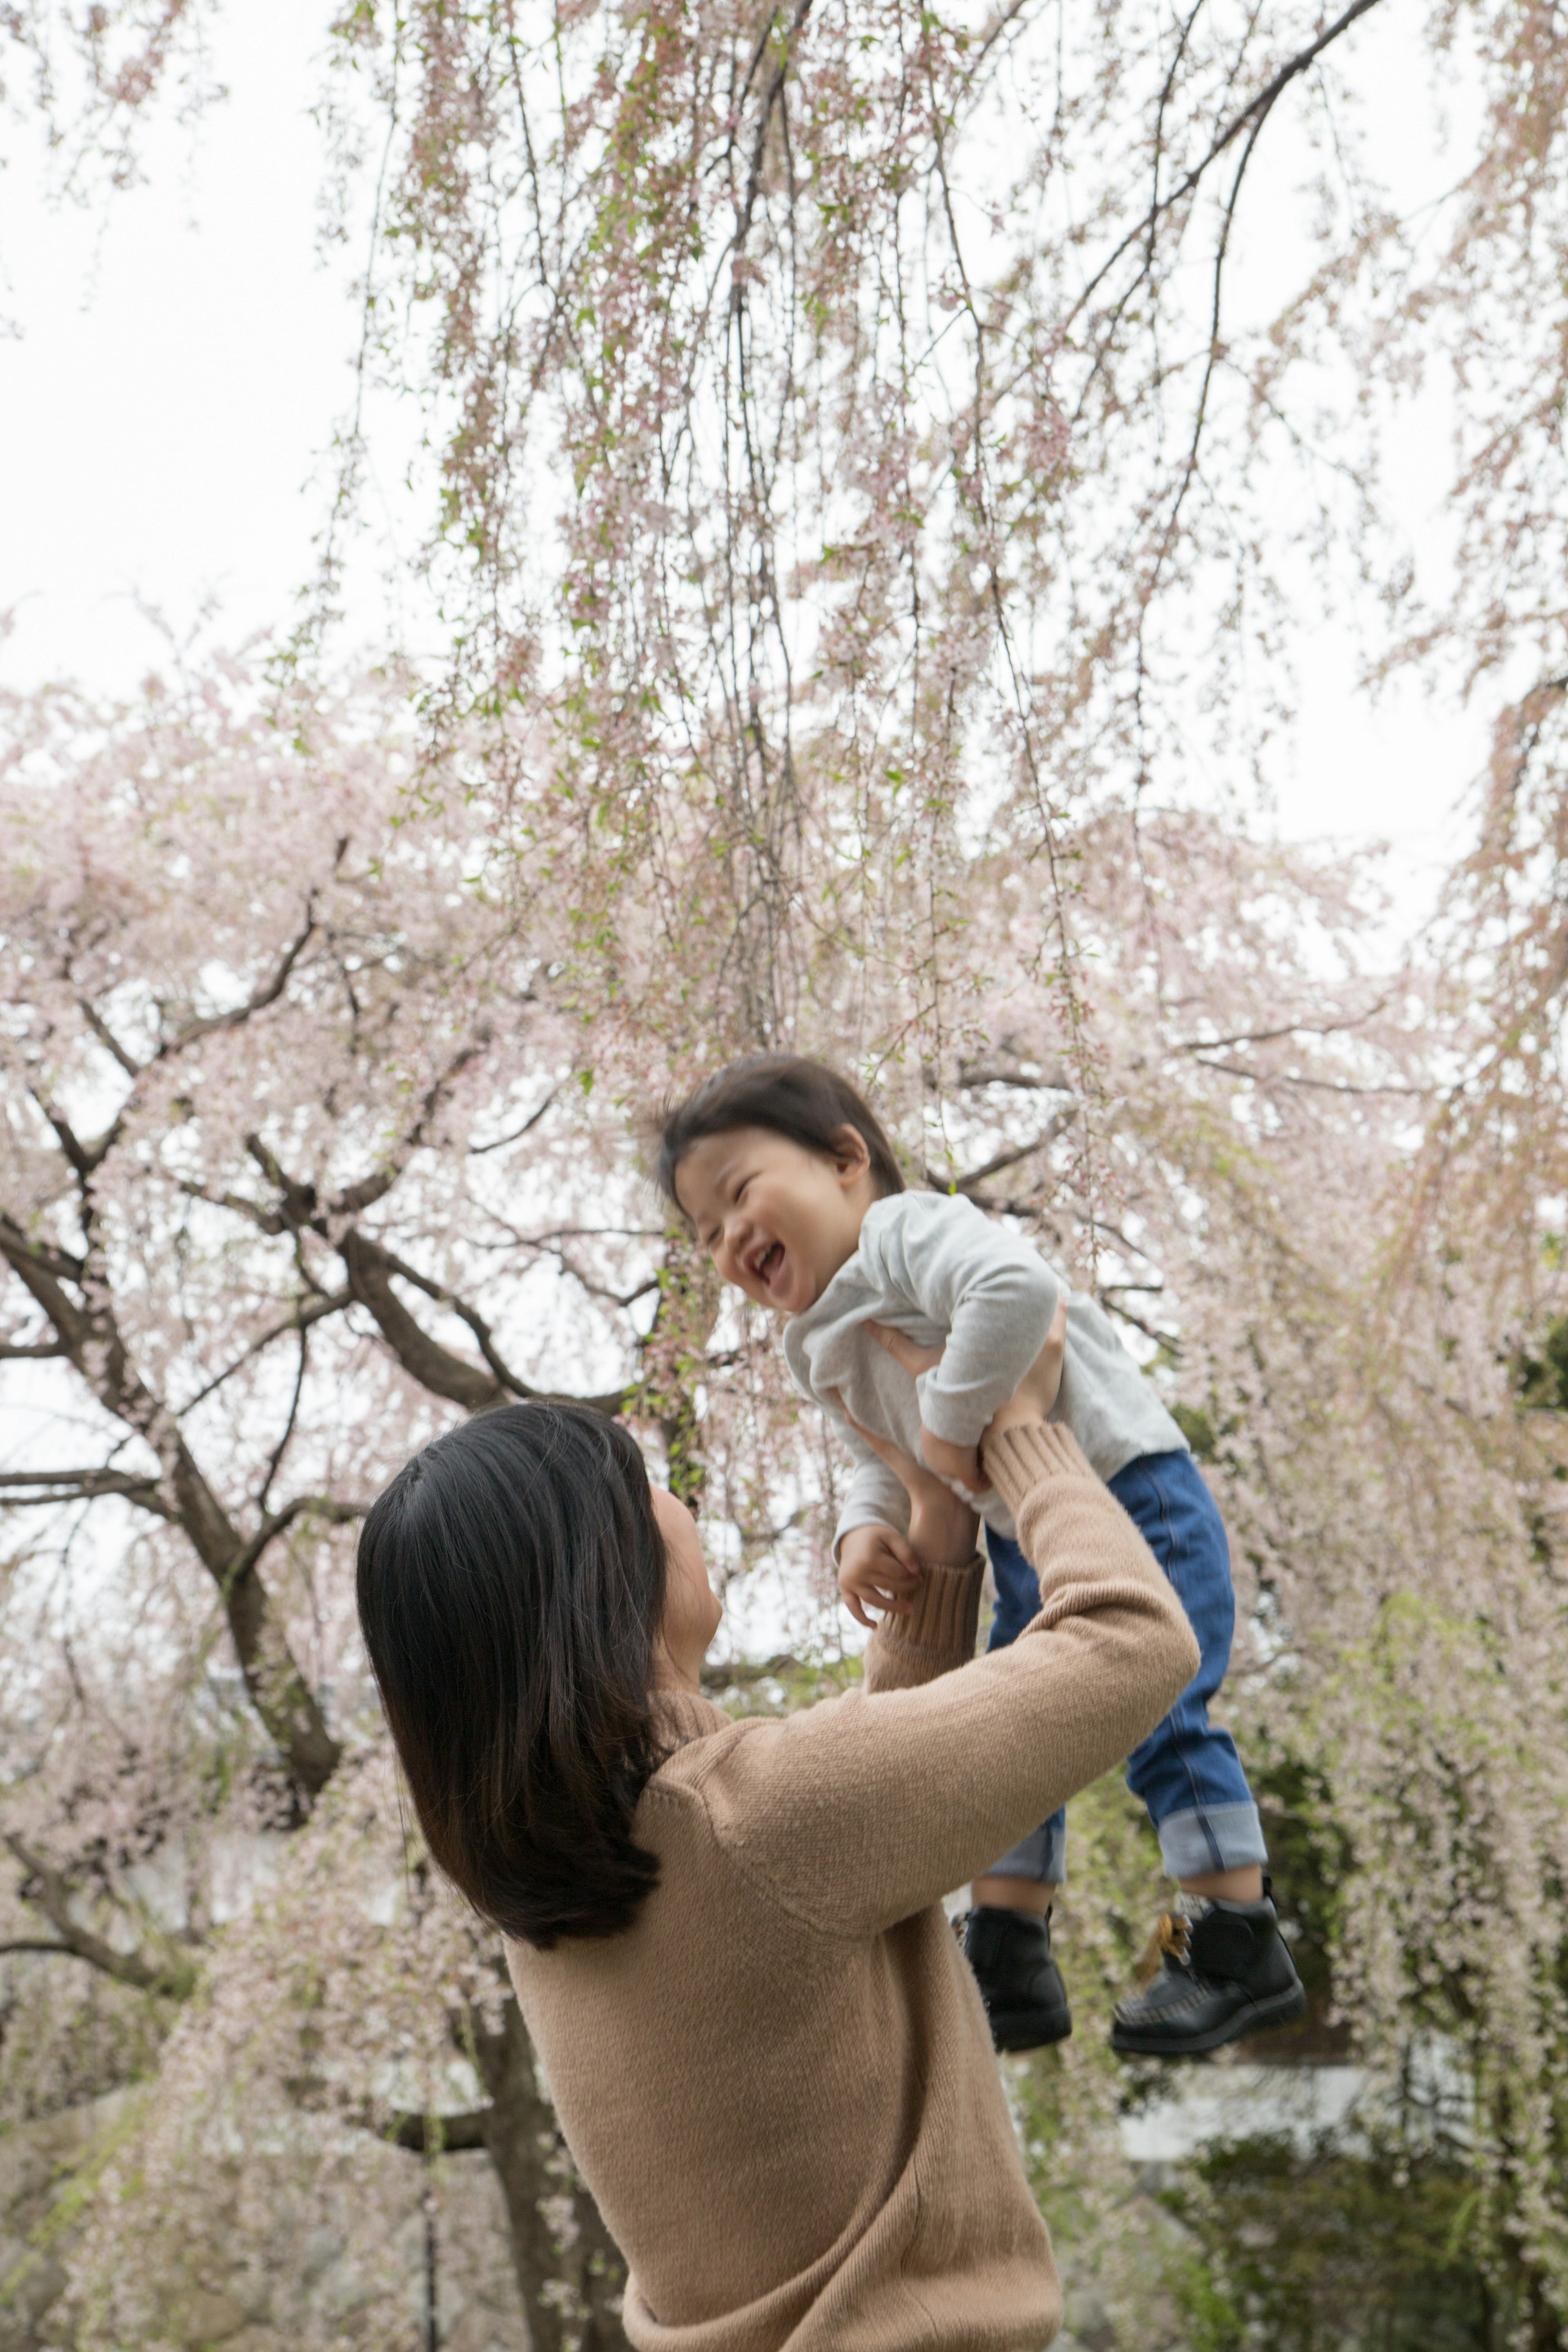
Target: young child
pixel 791 1184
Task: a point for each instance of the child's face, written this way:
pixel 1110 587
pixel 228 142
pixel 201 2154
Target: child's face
pixel 778 1221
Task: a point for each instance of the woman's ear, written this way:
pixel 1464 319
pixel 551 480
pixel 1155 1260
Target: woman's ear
pixel 850 1155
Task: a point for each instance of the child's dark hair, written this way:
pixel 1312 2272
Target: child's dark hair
pixel 803 1099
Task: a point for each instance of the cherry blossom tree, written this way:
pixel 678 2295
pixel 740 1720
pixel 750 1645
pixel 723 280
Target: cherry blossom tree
pixel 321 1117
pixel 269 1042
pixel 303 1157
pixel 854 532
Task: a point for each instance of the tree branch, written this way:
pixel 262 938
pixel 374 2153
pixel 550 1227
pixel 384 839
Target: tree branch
pixel 61 1266
pixel 436 1368
pixel 759 146
pixel 355 1199
pixel 266 1221
pixel 331 1302
pixel 1002 1159
pixel 86 1158
pixel 439 2135
pixel 316 1507
pixel 107 1038
pixel 1266 1078
pixel 1289 1029
pixel 974 1075
pixel 275 1461
pixel 423 2135
pixel 21 1488
pixel 49 1889
pixel 370 1270
pixel 478 1150
pixel 97 1352
pixel 83 1158
pixel 1262 103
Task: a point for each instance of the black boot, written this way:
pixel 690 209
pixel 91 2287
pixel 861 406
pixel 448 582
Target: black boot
pixel 1226 1973
pixel 1021 1985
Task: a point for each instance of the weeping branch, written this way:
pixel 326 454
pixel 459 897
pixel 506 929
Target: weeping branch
pixel 1260 104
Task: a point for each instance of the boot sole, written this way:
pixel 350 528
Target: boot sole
pixel 1029 2028
pixel 1258 2017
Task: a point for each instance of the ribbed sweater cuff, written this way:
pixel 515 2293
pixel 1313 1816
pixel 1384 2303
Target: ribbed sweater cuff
pixel 937 1635
pixel 1017 1459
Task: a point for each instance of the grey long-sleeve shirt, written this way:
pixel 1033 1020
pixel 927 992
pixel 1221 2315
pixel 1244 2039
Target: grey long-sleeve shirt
pixel 934 1266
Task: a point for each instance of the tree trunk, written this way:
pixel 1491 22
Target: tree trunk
pixel 569 2274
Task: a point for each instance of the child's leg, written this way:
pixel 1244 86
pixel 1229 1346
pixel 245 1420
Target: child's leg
pixel 1007 1940
pixel 1226 1972
pixel 1187 1771
pixel 1027 1877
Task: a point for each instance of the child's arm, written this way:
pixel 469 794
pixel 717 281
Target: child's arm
pixel 995 1297
pixel 876 1564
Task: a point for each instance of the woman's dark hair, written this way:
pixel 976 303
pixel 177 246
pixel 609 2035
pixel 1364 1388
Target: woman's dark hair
pixel 510 1588
pixel 805 1100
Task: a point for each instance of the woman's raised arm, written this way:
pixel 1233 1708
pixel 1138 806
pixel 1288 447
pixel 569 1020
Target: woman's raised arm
pixel 863 1809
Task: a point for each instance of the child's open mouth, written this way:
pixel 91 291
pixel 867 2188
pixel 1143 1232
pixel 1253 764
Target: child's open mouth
pixel 768 1263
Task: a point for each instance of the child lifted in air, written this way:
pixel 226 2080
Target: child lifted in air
pixel 791 1184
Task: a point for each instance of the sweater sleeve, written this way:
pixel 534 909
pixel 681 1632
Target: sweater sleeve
pixel 937 1635
pixel 863 1809
pixel 992 1294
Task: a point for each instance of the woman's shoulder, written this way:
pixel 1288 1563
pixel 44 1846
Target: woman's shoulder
pixel 702 1741
pixel 699 1741
pixel 742 1812
pixel 748 1773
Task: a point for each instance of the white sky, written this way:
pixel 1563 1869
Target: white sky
pixel 182 358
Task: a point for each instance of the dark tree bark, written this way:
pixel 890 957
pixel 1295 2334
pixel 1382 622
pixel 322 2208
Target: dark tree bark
pixel 558 2239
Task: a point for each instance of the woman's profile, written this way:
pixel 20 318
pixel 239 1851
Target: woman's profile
pixel 769 2058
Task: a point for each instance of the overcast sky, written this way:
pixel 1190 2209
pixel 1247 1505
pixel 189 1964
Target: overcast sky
pixel 182 356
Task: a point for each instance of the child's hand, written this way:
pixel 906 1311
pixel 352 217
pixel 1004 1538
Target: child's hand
pixel 877 1569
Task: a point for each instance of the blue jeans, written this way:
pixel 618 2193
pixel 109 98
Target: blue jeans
pixel 1187 1771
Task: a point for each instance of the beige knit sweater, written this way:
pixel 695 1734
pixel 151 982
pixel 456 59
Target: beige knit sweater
pixel 778 2083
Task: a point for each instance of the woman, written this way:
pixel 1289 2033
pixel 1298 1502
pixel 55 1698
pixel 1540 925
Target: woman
pixel 768 2057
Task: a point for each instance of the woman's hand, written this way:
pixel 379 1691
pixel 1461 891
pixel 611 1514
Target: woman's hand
pixel 1032 1399
pixel 949 1460
pixel 942 1528
pixel 1035 1394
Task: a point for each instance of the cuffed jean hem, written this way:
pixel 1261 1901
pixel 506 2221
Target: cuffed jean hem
pixel 1221 1837
pixel 1042 1855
